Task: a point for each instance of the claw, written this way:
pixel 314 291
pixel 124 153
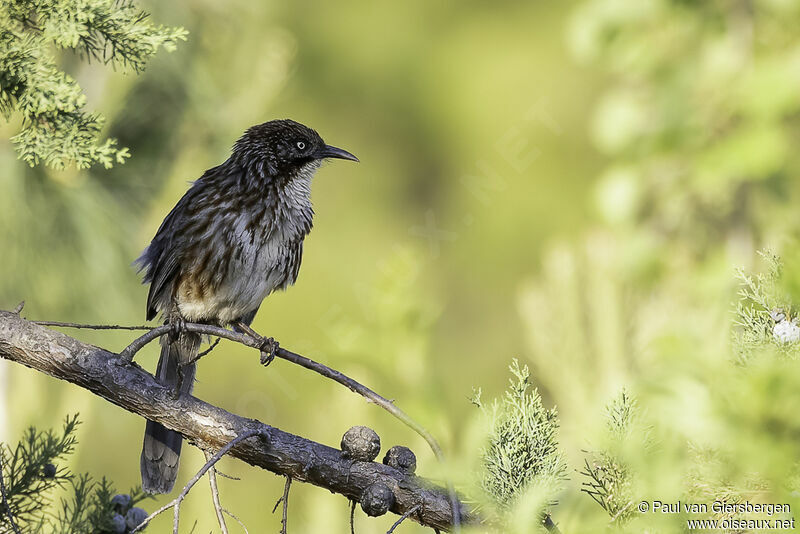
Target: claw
pixel 268 349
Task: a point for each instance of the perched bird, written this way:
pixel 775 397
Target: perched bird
pixel 235 237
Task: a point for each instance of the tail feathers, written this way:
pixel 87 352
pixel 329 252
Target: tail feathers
pixel 160 457
pixel 161 449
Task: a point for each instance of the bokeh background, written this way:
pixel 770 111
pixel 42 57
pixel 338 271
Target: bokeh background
pixel 568 183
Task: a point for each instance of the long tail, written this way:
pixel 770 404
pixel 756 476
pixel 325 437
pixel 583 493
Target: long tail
pixel 161 450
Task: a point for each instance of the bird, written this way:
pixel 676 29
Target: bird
pixel 234 237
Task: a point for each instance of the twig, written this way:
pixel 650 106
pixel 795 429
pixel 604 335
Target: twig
pixel 212 480
pixel 352 517
pixel 92 326
pixel 402 518
pixel 256 341
pixel 19 307
pixel 6 507
pixel 285 500
pixel 225 475
pixel 205 352
pixel 175 503
pixel 237 520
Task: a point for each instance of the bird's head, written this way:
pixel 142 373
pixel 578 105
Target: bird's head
pixel 283 148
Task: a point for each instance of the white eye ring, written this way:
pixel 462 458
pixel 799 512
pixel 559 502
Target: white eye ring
pixel 301 145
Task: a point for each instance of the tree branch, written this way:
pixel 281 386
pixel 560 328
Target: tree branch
pixel 130 387
pixel 212 481
pixel 252 339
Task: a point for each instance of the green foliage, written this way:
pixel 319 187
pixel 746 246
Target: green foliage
pixel 522 450
pixel 56 127
pixel 700 114
pixel 609 478
pixel 764 314
pixel 24 466
pixel 30 477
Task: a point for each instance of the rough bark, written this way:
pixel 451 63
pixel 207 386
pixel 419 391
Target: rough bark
pixel 206 426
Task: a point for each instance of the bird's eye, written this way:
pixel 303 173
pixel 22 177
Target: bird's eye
pixel 301 145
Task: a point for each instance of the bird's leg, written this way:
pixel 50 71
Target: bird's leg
pixel 267 345
pixel 177 326
pixel 176 393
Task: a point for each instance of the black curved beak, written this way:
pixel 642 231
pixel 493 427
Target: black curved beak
pixel 329 151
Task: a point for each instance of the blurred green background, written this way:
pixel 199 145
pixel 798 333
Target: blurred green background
pixel 569 183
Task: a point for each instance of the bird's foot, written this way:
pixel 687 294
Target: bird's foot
pixel 269 347
pixel 177 326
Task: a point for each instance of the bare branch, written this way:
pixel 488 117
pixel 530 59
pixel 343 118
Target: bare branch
pixel 212 480
pixel 285 500
pixel 402 518
pixel 175 504
pixel 237 520
pixel 209 349
pixel 62 324
pixel 256 341
pixel 209 427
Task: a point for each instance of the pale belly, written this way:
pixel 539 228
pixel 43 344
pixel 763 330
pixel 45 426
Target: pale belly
pixel 248 278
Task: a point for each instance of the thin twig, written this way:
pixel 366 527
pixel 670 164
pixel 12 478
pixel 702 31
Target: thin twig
pixel 92 326
pixel 237 520
pixel 226 475
pixel 402 518
pixel 205 352
pixel 19 307
pixel 285 500
pixel 6 507
pixel 175 503
pixel 352 517
pixel 212 480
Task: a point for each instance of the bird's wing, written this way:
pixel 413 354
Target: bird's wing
pixel 162 259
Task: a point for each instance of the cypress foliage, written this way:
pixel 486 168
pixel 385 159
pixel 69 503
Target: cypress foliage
pixel 57 129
